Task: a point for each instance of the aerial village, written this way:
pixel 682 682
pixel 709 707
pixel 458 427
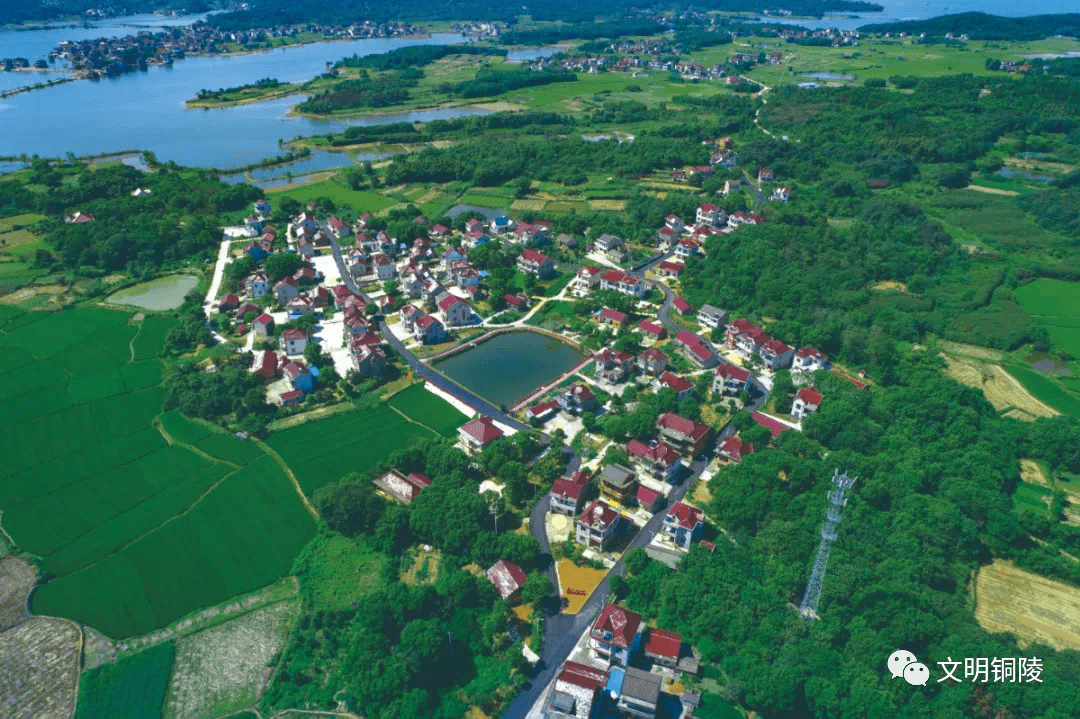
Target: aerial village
pixel 363 298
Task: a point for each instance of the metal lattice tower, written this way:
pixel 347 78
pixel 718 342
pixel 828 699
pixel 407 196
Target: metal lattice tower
pixel 833 514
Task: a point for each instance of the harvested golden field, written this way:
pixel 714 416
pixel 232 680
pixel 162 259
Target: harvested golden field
pixel 992 190
pixel 39 665
pixel 1030 471
pixel 890 285
pixel 1000 388
pixel 429 196
pixel 609 205
pixel 17 577
pixel 535 205
pixel 224 669
pixel 1034 608
pixel 958 348
pixel 577 583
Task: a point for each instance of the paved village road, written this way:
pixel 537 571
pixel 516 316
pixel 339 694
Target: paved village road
pixel 562 631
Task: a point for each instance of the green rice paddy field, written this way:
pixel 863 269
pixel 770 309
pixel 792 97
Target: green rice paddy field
pixel 142 516
pixel 1055 304
pixel 136 530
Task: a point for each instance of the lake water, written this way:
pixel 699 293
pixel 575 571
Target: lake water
pixel 508 367
pixel 920 9
pixel 146 111
pixel 7 166
pixel 531 53
pixel 165 293
pixel 827 76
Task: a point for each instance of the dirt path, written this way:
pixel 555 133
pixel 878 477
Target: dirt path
pixel 292 477
pixel 410 419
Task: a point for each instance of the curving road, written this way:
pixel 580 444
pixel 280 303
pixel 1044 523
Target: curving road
pixel 419 368
pixel 561 631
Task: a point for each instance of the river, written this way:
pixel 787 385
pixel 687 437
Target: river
pixel 146 110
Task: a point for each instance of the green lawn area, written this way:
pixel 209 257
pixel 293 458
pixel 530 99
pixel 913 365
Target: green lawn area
pixel 133 687
pixel 1055 304
pixel 136 532
pixel 1031 497
pixel 335 571
pixel 429 409
pixel 7 224
pixel 553 315
pixel 357 200
pixel 324 451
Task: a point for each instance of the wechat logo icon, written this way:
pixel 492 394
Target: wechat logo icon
pixel 903 663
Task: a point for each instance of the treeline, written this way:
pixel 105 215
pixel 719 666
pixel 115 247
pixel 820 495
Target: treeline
pixel 936 468
pixel 500 159
pixel 416 56
pixel 367 91
pixel 587 30
pixel 981 26
pixel 815 281
pixel 495 81
pixel 1057 210
pixel 436 647
pixel 863 133
pixel 528 122
pixel 178 222
pixel 18 11
pixel 266 82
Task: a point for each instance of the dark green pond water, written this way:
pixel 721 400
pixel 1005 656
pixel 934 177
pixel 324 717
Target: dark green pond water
pixel 507 368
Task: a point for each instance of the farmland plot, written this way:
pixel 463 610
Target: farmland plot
pixel 17 577
pixel 223 669
pixel 133 688
pixel 39 663
pixel 1033 608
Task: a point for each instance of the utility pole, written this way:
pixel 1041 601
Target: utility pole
pixel 833 514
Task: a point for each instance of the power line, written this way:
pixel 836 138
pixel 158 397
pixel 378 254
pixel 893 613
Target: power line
pixel 833 515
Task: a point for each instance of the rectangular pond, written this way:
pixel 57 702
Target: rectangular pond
pixel 508 367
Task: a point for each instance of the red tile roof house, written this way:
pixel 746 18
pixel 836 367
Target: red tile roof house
pixel 686 248
pixel 682 306
pixel 667 236
pixel 669 380
pixel 649 499
pixel 478 433
pixel 671 269
pixel 429 330
pixel 652 331
pixel 729 379
pixel 615 635
pixel 745 336
pixel 228 303
pixel 652 361
pixel 263 325
pixel 286 290
pixel 611 317
pixel 587 280
pixel 622 282
pixel 765 175
pixel 709 214
pixel 808 359
pixel 701 355
pixel 577 686
pixel 455 310
pixel 293 396
pixel 396 487
pixel 735 449
pixel 542 411
pixel 807 400
pixel 598 525
pixel 613 365
pixel 369 361
pixel 516 302
pixel 339 228
pixel 576 399
pixel 687 436
pixel 656 459
pixel 266 363
pixel 79 217
pixel 663 647
pixel 566 493
pixel 293 341
pixel 535 263
pixel 507 577
pixel 299 375
pixel 775 354
pixel 674 222
pixel 683 524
